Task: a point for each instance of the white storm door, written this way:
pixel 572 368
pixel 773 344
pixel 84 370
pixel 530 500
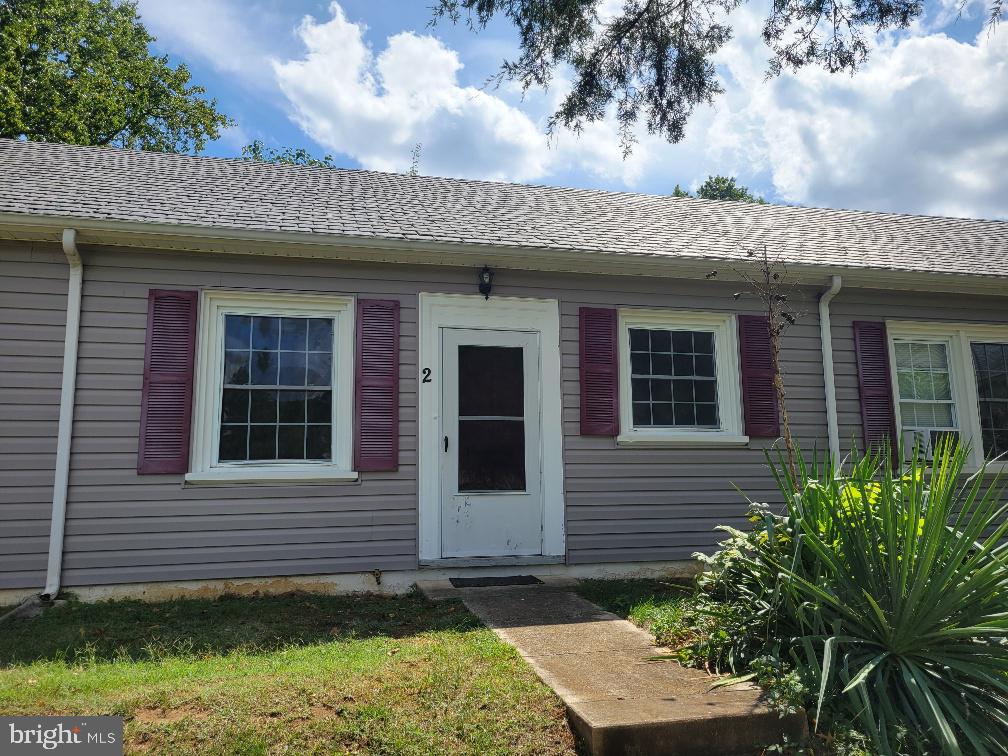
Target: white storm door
pixel 490 451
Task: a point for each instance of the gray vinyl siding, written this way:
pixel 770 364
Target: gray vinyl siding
pixel 622 504
pixel 33 288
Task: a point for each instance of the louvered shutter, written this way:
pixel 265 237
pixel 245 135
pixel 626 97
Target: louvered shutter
pixel 759 397
pixel 599 372
pixel 878 419
pixel 166 406
pixel 376 402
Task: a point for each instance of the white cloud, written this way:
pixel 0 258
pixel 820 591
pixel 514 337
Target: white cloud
pixel 234 37
pixel 375 108
pixel 920 129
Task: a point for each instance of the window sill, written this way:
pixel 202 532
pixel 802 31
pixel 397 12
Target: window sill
pixel 269 475
pixel 671 440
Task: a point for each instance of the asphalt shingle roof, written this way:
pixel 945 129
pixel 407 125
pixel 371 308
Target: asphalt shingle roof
pixel 39 179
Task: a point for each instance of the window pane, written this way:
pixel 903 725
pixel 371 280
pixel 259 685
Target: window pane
pixel 703 342
pixel 262 441
pixel 319 406
pixel 989 362
pixel 682 365
pixel 320 335
pixel 903 361
pixel 237 331
pixel 661 341
pixel 704 391
pixel 319 442
pixel 319 369
pixel 263 408
pixel 683 390
pixel 682 341
pixel 491 381
pixel 640 364
pixel 639 340
pixel 291 442
pixel 491 455
pixel 640 389
pixel 266 333
pixel 292 368
pixel 236 368
pixel 294 334
pixel 662 414
pixel 661 364
pixel 233 443
pixel 706 415
pixel 661 390
pixel 264 368
pixel 641 413
pixel 235 406
pixel 292 406
pixel 704 365
pixel 685 414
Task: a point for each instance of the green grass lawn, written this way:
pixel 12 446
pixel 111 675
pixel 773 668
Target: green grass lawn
pixel 656 605
pixel 288 674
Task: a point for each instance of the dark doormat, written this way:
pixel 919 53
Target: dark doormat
pixel 489 582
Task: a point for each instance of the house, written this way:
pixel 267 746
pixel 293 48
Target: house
pixel 217 370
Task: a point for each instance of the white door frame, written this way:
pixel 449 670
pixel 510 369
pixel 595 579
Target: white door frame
pixel 438 311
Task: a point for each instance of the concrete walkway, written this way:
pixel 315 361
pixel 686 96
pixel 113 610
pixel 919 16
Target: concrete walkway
pixel 618 700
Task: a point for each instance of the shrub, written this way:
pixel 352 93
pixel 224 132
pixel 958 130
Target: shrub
pixel 891 587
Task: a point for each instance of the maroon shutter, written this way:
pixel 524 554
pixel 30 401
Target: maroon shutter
pixel 166 407
pixel 759 397
pixel 376 375
pixel 599 373
pixel 878 419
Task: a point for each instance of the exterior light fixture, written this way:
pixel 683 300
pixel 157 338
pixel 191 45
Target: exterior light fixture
pixel 485 281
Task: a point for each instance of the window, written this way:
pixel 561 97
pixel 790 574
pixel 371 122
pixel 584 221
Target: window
pixel 679 378
pixel 924 386
pixel 990 363
pixel 274 386
pixel 673 382
pixel 951 377
pixel 277 389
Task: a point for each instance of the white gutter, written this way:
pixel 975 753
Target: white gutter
pixel 827 363
pixel 65 432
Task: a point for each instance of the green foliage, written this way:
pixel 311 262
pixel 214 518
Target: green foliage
pixel 725 188
pixel 680 192
pixel 652 60
pixel 80 72
pixel 892 588
pixel 288 155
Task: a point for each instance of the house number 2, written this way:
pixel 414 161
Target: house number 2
pixel 426 375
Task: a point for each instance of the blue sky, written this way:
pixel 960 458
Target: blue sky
pixel 923 128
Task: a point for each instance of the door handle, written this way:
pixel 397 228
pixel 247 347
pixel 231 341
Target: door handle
pixel 446 443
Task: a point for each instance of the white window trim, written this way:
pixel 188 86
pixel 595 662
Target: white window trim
pixel 961 372
pixel 209 374
pixel 729 387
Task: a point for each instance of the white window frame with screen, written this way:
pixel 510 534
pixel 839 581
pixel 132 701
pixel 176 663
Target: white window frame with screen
pixel 209 386
pixel 958 339
pixel 722 327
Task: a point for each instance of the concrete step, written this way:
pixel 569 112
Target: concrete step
pixel 619 700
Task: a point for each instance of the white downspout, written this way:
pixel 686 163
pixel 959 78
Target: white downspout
pixel 66 414
pixel 827 361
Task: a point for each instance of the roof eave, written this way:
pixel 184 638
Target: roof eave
pixel 421 251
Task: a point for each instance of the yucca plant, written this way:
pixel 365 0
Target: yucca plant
pixel 893 587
